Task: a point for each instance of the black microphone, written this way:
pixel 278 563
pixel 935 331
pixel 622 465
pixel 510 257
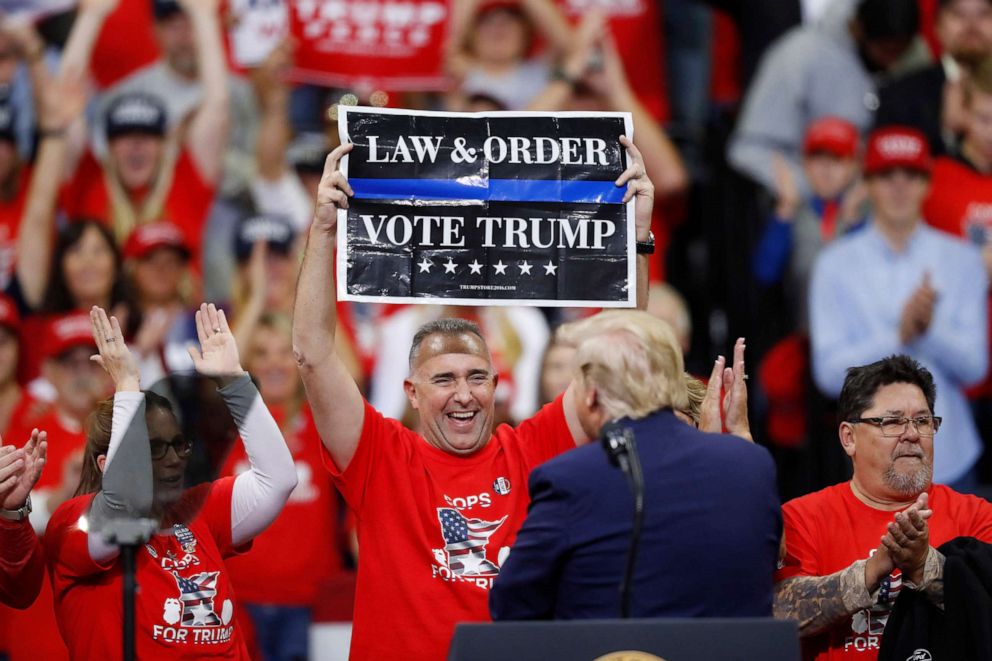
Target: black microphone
pixel 619 443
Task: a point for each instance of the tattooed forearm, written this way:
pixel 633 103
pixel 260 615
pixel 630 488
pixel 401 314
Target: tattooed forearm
pixel 819 602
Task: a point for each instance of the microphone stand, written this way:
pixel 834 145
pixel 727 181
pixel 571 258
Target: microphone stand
pixel 129 535
pixel 621 448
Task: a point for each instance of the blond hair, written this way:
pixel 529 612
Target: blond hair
pixel 696 392
pixel 632 359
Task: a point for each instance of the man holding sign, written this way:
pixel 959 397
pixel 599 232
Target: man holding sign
pixel 436 513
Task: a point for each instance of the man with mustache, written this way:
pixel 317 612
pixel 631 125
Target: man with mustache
pixel 837 579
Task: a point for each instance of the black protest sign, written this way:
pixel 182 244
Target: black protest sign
pixel 487 208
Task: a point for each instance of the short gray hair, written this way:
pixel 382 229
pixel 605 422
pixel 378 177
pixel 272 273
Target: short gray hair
pixel 449 326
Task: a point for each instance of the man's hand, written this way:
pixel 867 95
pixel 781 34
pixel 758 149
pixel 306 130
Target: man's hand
pixel 20 470
pixel 218 354
pixel 786 190
pixel 918 311
pixel 333 191
pixel 908 539
pixel 879 566
pixel 639 188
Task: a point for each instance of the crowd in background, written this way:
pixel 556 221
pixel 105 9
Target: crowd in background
pixel 142 171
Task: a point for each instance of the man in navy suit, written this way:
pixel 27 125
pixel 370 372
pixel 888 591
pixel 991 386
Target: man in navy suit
pixel 712 517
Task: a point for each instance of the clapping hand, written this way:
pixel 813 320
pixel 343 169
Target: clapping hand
pixel 114 355
pixel 908 539
pixel 20 470
pixel 725 402
pixel 218 353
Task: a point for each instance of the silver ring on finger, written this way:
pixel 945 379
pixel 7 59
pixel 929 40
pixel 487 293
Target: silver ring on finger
pixel 111 339
pixel 218 330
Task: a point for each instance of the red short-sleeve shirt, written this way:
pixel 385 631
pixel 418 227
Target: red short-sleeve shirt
pixel 828 530
pixel 433 529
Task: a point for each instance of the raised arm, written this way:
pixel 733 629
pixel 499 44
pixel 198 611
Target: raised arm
pixel 61 106
pixel 126 490
pixel 75 65
pixel 259 493
pixel 337 405
pixel 641 190
pixel 207 137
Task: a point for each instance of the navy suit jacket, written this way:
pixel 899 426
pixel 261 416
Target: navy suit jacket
pixel 709 546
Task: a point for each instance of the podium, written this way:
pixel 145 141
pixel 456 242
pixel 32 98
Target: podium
pixel 691 639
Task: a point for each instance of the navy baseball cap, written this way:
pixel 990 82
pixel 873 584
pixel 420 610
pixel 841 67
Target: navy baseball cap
pixel 165 8
pixel 307 152
pixel 7 123
pixel 276 230
pixel 135 112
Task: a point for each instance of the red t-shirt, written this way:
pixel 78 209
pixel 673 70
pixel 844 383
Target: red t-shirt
pixel 300 550
pixel 960 200
pixel 186 205
pixel 126 43
pixel 185 606
pixel 10 221
pixel 828 530
pixel 62 442
pixel 960 203
pixel 433 529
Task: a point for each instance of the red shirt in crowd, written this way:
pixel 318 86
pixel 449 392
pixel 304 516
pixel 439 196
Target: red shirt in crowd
pixel 22 565
pixel 186 205
pixel 185 609
pixel 37 632
pixel 828 530
pixel 126 43
pixel 63 442
pixel 433 529
pixel 960 203
pixel 11 211
pixel 300 550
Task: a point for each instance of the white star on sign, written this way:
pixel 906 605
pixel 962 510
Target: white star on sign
pixel 425 265
pixel 500 267
pixel 525 268
pixel 476 267
pixel 450 266
pixel 550 269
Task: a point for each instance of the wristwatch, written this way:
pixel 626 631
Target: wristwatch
pixel 19 514
pixel 646 247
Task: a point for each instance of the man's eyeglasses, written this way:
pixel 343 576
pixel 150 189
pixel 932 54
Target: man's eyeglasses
pixel 181 446
pixel 926 425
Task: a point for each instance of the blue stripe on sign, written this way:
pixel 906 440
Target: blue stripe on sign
pixel 501 190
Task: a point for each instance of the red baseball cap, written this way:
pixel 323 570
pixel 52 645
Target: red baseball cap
pixel 9 316
pixel 67 332
pixel 832 135
pixel 146 238
pixel 897 147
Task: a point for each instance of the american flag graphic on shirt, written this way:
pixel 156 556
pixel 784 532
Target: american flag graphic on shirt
pixel 465 542
pixel 197 596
